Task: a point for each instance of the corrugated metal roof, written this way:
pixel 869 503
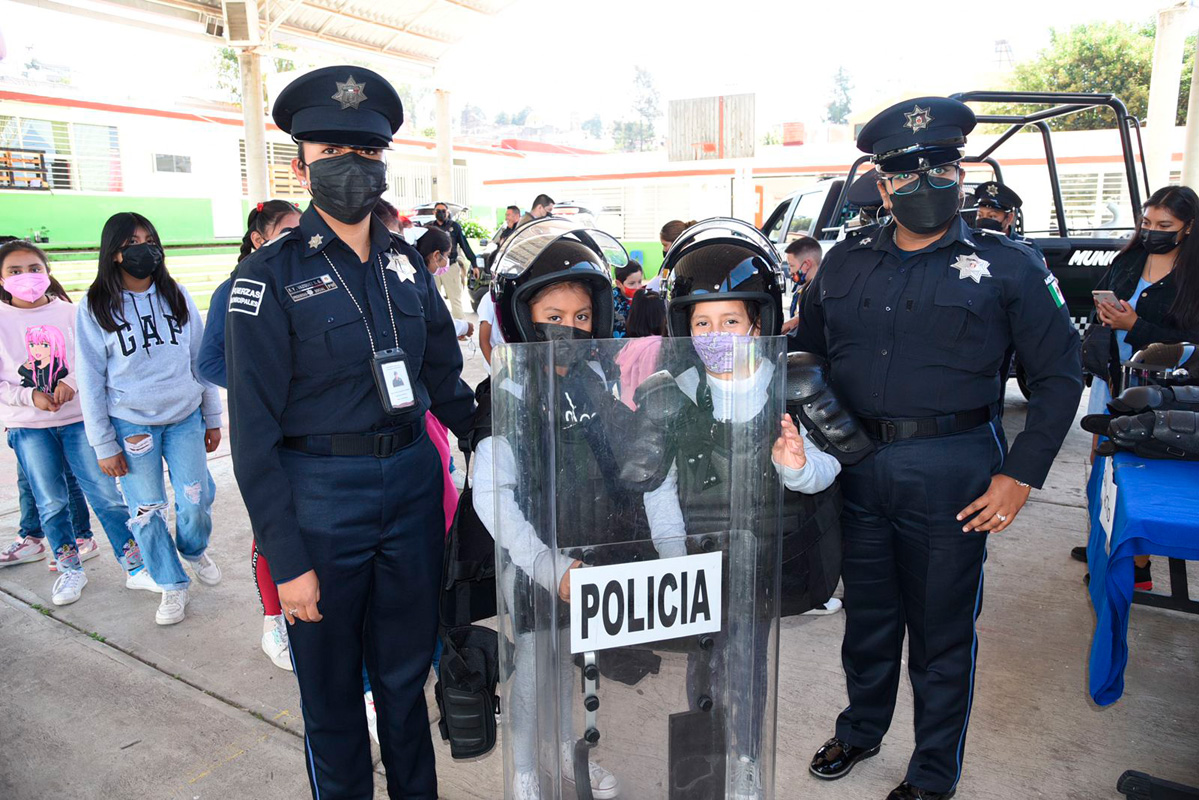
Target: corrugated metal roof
pixel 420 31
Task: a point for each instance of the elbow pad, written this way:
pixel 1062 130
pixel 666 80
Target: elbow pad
pixel 1139 399
pixel 831 425
pixel 648 455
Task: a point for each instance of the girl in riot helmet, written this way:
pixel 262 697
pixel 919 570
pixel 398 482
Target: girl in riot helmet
pixel 724 286
pixel 552 284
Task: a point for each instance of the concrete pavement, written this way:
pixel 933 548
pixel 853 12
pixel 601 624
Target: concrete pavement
pixel 101 702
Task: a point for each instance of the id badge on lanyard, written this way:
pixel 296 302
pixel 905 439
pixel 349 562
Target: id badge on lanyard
pixel 392 379
pixel 388 367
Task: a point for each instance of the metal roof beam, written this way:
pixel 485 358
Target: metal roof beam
pixel 282 17
pixel 383 25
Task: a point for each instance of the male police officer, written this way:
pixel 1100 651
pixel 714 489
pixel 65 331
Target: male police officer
pixel 337 346
pixel 914 318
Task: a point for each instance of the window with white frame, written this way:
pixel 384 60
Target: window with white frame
pixel 78 156
pixel 169 163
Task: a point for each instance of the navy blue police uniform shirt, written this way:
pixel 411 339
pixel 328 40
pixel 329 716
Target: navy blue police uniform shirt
pixel 299 361
pixel 922 334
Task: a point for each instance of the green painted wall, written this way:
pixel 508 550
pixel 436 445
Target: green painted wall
pixel 650 258
pixel 77 219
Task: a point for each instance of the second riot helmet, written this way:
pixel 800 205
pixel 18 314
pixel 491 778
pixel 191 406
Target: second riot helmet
pixel 724 259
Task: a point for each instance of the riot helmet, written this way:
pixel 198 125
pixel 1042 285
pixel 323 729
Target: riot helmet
pixel 723 259
pixel 547 251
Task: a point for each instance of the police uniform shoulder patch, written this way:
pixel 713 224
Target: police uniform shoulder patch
pixel 245 297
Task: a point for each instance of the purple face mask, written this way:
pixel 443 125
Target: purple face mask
pixel 716 350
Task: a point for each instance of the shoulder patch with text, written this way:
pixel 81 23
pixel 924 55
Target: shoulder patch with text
pixel 246 296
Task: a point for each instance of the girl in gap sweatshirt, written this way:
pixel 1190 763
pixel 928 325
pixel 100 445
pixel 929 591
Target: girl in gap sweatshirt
pixel 143 402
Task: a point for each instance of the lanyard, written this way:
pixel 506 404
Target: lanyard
pixel 386 294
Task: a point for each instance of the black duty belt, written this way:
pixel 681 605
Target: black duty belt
pixel 893 430
pixel 380 445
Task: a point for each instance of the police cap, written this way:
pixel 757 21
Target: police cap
pixel 994 194
pixel 347 105
pixel 917 134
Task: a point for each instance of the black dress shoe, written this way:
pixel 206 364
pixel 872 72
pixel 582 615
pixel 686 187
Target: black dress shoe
pixel 836 758
pixel 906 791
pixel 1079 554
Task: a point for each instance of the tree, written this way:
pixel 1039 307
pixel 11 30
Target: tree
pixel 595 127
pixel 228 71
pixel 473 117
pixel 502 118
pixel 521 116
pixel 646 106
pixel 1113 57
pixel 839 105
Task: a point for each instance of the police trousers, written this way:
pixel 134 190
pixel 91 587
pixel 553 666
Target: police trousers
pixel 908 566
pixel 374 528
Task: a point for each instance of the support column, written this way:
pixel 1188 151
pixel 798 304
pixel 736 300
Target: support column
pixel 444 190
pixel 1190 155
pixel 1163 93
pixel 253 112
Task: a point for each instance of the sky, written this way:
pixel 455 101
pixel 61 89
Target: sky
pixel 575 58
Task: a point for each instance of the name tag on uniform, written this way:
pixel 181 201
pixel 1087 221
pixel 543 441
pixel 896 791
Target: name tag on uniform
pixel 310 288
pixel 393 380
pixel 644 601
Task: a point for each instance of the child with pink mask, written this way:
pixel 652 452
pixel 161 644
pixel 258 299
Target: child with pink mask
pixel 41 411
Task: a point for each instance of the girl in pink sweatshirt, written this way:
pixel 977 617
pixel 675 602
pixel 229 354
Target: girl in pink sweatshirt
pixel 40 409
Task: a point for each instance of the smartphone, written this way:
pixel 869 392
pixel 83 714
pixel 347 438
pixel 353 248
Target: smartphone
pixel 1105 296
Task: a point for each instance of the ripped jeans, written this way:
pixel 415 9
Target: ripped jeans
pixel 181 445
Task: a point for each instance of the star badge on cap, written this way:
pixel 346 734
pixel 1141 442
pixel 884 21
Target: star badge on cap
pixel 993 190
pixel 972 267
pixel 918 118
pixel 315 241
pixel 400 265
pixel 349 94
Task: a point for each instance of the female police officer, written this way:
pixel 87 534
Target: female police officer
pixel 337 345
pixel 914 318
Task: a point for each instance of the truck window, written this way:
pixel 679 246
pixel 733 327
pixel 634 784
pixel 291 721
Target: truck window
pixel 774 226
pixel 803 218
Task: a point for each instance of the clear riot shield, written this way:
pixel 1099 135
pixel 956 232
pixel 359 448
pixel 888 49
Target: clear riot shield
pixel 638 568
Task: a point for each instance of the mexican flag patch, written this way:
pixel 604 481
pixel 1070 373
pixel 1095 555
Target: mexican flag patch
pixel 1055 291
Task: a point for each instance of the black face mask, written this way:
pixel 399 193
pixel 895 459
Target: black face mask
pixel 346 187
pixel 141 260
pixel 925 210
pixel 561 336
pixel 989 224
pixel 1159 242
pixel 440 216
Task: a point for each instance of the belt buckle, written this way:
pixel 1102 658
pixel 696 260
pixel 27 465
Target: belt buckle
pixel 380 449
pixel 887 431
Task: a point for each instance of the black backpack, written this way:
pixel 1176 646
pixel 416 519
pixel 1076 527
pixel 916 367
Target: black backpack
pixel 466 687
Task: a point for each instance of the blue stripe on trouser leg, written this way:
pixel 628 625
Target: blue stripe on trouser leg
pixel 902 537
pixel 376 547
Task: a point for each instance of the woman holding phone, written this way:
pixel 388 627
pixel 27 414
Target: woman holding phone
pixel 1150 294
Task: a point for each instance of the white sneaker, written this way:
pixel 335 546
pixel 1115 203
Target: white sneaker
pixel 831 606
pixel 275 643
pixel 23 551
pixel 525 786
pixel 604 785
pixel 142 580
pixel 207 572
pixel 747 779
pixel 372 719
pixel 458 476
pixel 69 587
pixel 171 608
